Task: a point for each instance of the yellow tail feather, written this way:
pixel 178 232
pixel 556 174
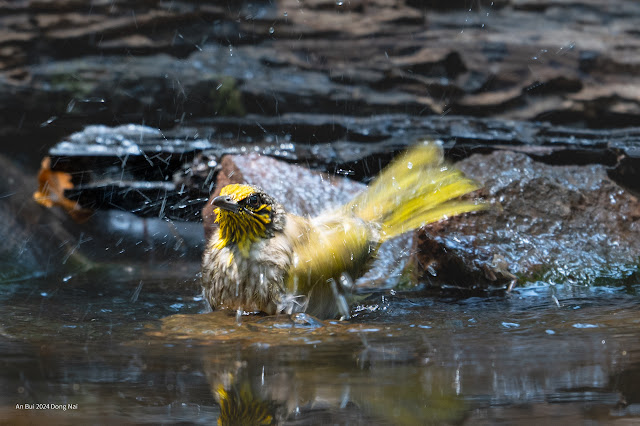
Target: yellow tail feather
pixel 416 189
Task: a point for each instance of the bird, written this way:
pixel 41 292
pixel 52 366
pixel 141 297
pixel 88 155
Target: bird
pixel 264 259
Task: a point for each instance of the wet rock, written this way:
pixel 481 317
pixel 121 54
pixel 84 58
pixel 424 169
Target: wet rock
pixel 170 174
pixel 557 224
pixel 63 65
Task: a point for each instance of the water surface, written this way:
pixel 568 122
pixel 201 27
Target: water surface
pixel 138 345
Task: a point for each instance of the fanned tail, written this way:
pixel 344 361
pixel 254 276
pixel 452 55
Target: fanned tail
pixel 417 188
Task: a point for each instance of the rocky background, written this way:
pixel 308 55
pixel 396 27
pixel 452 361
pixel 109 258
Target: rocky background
pixel 339 86
pixel 68 63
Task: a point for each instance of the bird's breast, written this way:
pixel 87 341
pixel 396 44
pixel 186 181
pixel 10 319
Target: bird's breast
pixel 253 282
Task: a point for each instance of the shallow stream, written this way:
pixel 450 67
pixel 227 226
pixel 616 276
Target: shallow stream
pixel 137 345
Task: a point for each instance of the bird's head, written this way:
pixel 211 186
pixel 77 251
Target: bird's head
pixel 246 214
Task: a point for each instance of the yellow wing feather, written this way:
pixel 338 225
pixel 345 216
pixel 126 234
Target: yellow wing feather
pixel 416 189
pixel 325 248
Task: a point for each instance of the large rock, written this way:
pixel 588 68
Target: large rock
pixel 553 224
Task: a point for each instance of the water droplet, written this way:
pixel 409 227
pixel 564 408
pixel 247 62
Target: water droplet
pixel 580 325
pixel 271 30
pixel 285 14
pixel 510 325
pixel 49 121
pixel 96 99
pixel 339 2
pixel 346 282
pixel 410 165
pixel 432 270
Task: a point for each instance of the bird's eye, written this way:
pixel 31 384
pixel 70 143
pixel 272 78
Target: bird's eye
pixel 253 201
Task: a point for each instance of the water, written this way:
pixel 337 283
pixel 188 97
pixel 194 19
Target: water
pixel 138 345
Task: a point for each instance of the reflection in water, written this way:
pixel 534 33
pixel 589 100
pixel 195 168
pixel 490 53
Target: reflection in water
pixel 159 357
pixel 268 390
pixel 286 373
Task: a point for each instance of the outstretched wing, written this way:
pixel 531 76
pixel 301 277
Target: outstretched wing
pixel 324 248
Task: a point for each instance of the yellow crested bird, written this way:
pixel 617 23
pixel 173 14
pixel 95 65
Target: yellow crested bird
pixel 262 258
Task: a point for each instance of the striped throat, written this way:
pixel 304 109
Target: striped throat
pixel 245 215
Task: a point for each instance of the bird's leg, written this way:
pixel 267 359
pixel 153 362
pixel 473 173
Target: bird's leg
pixel 292 303
pixel 239 313
pixel 341 301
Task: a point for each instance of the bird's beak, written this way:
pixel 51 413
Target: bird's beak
pixel 227 203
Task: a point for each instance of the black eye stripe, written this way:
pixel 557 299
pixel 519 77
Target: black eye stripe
pixel 253 201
